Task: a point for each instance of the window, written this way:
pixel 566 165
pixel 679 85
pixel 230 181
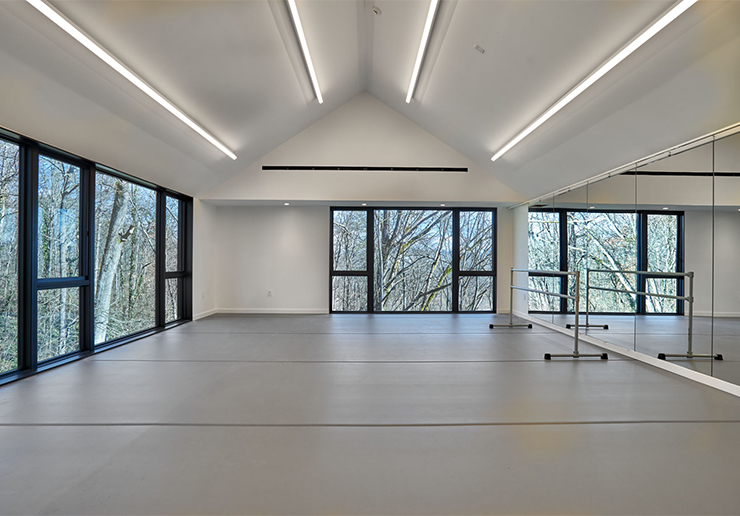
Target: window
pixel 476 279
pixel 89 257
pixel 58 219
pixel 350 282
pixel 174 260
pixel 662 256
pixel 9 185
pixel 125 261
pixel 60 275
pixel 606 240
pixel 544 255
pixel 412 260
pixel 610 243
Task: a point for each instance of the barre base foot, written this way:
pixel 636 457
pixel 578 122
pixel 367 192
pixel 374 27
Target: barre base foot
pixel 665 356
pixel 492 326
pixel 602 356
pixel 604 326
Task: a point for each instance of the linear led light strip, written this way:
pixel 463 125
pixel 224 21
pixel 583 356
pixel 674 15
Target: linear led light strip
pixel 422 48
pixel 636 43
pixel 304 48
pixel 93 47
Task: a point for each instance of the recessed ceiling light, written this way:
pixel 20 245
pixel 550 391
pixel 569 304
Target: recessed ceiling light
pixel 422 48
pixel 591 207
pixel 62 22
pixel 286 204
pixel 665 207
pixel 364 204
pixel 636 43
pixel 377 11
pixel 304 48
pixel 442 204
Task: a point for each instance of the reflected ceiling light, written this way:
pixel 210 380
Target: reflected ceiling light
pixel 422 48
pixel 53 15
pixel 636 43
pixel 304 49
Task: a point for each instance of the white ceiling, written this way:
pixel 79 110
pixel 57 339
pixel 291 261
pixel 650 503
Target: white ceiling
pixel 234 67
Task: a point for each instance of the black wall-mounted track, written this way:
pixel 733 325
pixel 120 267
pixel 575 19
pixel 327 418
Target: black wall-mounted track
pixel 365 169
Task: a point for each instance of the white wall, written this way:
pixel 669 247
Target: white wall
pixel 205 251
pixel 284 249
pixel 365 132
pixel 520 253
pixel 726 264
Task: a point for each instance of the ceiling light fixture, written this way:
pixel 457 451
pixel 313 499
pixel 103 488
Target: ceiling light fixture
pixel 286 204
pixel 441 204
pixel 636 43
pixel 422 48
pixel 365 204
pixel 53 15
pixel 665 207
pixel 304 48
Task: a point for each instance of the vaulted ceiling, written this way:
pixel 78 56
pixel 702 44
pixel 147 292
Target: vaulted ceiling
pixel 235 68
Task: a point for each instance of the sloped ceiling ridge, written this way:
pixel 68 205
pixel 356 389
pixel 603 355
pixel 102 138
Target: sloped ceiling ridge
pixel 364 132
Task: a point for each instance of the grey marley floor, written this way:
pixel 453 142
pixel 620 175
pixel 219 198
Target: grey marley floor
pixel 357 414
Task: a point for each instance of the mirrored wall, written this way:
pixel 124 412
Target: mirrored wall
pixel 657 249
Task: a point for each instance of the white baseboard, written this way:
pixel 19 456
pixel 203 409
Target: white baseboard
pixel 205 314
pixel 292 311
pixel 689 374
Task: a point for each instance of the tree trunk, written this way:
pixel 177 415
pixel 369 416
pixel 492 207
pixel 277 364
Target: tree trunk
pixel 110 260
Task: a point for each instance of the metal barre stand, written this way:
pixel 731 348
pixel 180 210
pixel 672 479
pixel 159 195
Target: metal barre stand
pixel 689 299
pixel 576 299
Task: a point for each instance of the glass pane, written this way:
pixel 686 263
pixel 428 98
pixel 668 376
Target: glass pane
pixel 544 240
pixel 476 240
pixel 662 243
pixel 413 260
pixel 349 294
pixel 611 239
pixel 350 240
pixel 541 302
pixel 577 254
pixel 476 293
pixel 8 256
pixel 171 300
pixel 125 230
pixel 59 219
pixel 58 322
pixel 172 248
pixel 661 305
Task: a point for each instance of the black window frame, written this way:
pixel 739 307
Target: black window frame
pixel 369 271
pixel 641 221
pixel 29 284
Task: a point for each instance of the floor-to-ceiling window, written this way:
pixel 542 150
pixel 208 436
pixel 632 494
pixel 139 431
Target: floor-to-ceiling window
pixel 125 258
pixel 59 269
pixel 9 189
pixel 413 260
pixel 89 257
pixel 622 242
